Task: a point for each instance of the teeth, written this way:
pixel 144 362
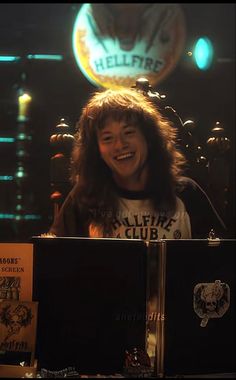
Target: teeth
pixel 123 156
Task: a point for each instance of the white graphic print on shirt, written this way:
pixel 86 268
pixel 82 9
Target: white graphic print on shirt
pixel 136 220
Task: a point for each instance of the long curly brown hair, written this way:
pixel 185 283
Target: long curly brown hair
pixel 95 189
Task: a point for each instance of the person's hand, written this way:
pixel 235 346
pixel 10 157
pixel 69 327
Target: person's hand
pixel 48 235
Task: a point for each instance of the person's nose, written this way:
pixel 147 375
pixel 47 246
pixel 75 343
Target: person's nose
pixel 120 142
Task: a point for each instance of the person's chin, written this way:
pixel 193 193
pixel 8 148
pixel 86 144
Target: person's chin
pixel 124 175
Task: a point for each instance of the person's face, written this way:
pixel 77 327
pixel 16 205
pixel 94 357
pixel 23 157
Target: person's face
pixel 124 149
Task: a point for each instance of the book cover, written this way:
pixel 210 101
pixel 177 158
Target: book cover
pixel 16 271
pixel 18 323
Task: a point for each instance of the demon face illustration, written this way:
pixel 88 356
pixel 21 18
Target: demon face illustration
pixel 14 318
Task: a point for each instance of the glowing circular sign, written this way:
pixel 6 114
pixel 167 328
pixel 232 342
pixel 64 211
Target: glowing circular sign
pixel 114 44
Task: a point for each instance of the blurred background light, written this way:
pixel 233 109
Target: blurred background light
pixel 203 53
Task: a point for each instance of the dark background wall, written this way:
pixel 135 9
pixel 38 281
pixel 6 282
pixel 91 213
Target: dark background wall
pixel 59 89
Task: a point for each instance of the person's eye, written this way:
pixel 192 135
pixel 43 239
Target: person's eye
pixel 106 138
pixel 130 131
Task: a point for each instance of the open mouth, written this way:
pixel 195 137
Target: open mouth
pixel 124 156
pixel 127 43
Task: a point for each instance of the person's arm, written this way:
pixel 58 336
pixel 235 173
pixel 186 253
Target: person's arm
pixel 203 215
pixel 68 221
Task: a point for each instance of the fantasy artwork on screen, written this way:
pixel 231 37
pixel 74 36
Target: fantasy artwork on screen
pixel 18 324
pixel 18 313
pixel 16 271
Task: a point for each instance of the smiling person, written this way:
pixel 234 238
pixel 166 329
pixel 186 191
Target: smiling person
pixel 128 176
